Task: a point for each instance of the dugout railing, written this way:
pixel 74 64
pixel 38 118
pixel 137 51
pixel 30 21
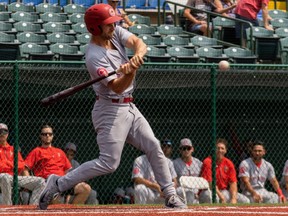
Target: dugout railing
pixel 179 100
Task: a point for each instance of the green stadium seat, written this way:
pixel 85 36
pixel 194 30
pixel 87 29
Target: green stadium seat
pixel 9 51
pixel 239 55
pixel 169 30
pixel 183 55
pixel 33 51
pixel 3 7
pixel 202 41
pixel 79 28
pixel 142 29
pixel 46 7
pixel 31 37
pixel 275 13
pixel 155 54
pixel 83 48
pixel 53 17
pixel 60 37
pixel 224 29
pixel 279 23
pixel 76 18
pixel 53 27
pixel 210 55
pixel 139 19
pixel 74 8
pixel 18 6
pixel 6 27
pixel 284 50
pixel 25 16
pixel 4 37
pixel 282 32
pixel 27 27
pixel 150 40
pixel 175 40
pixel 66 52
pixel 4 17
pixel 83 38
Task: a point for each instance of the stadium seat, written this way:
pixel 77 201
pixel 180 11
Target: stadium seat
pixel 239 55
pixel 265 43
pixel 31 37
pixel 53 17
pixel 9 51
pixel 284 50
pixel 27 27
pixel 83 38
pixel 139 19
pixel 74 8
pixel 202 41
pixel 18 6
pixel 4 17
pixel 183 55
pixel 155 54
pixel 150 40
pixel 25 16
pixel 4 37
pixel 33 51
pixel 46 7
pixel 224 29
pixel 60 37
pixel 83 48
pixel 6 27
pixel 210 55
pixel 3 8
pixel 169 30
pixel 142 29
pixel 66 52
pixel 277 14
pixel 282 32
pixel 76 18
pixel 52 27
pixel 279 23
pixel 79 28
pixel 175 40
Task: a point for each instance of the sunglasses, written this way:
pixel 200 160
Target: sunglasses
pixel 45 134
pixel 188 148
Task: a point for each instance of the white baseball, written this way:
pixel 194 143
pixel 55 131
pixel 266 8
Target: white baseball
pixel 224 65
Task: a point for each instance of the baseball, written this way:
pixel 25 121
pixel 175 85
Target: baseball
pixel 224 65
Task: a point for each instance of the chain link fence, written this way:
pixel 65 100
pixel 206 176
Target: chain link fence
pixel 177 100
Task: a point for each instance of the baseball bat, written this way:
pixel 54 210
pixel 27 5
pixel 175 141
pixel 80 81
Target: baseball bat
pixel 72 90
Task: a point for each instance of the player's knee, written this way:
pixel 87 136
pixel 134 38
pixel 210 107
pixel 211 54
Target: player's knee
pixel 82 188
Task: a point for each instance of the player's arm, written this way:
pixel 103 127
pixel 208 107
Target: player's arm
pixel 277 188
pixel 246 181
pixel 147 183
pixel 220 195
pixel 139 48
pixel 233 192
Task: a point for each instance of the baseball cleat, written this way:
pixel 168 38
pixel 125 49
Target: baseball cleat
pixel 175 201
pixel 49 193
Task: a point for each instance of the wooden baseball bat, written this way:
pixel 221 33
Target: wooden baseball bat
pixel 72 90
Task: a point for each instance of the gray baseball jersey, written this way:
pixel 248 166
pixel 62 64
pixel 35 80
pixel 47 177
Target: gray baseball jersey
pixel 257 175
pixel 182 169
pixel 117 122
pixel 282 182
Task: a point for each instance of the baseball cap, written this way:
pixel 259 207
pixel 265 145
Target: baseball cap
pixel 167 142
pixel 71 146
pixel 185 142
pixel 3 129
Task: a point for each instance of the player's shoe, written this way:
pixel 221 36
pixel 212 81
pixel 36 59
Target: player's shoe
pixel 175 201
pixel 49 193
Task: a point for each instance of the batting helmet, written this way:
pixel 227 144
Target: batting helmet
pixel 99 14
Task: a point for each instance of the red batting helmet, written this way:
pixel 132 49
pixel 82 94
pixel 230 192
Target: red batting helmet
pixel 99 14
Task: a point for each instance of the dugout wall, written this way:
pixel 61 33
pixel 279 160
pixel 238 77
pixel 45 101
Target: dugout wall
pixel 177 100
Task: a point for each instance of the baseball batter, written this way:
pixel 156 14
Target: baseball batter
pixel 254 172
pixel 147 190
pixel 226 177
pixel 115 117
pixel 187 165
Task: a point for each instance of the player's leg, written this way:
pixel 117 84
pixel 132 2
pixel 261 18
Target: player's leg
pixel 241 198
pixel 268 197
pixel 6 188
pixel 205 196
pixel 142 137
pixel 81 193
pixel 33 184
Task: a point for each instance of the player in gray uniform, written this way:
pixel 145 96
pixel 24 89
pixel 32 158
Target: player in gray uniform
pixel 284 180
pixel 115 117
pixel 147 190
pixel 253 173
pixel 186 165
